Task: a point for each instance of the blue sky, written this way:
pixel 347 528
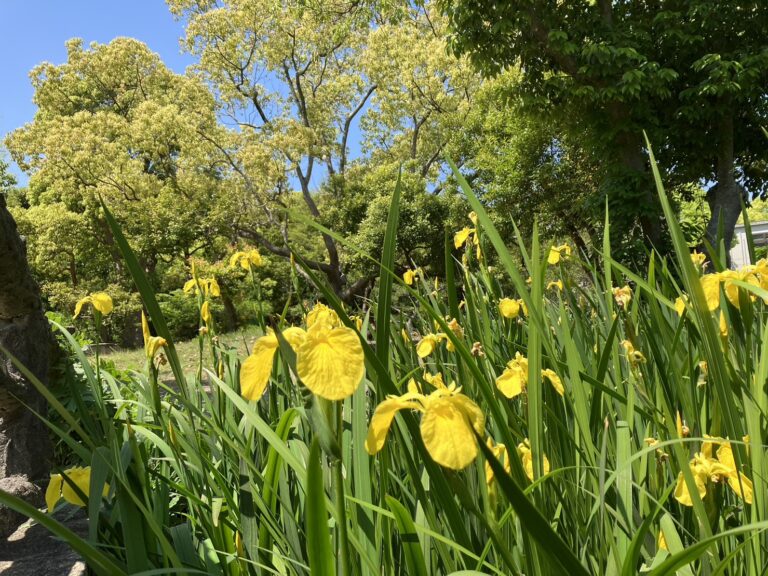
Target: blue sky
pixel 34 31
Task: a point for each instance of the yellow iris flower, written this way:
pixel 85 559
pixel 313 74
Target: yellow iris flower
pixel 623 296
pixel 455 327
pixel 101 302
pixel 428 344
pixel 501 454
pixel 526 457
pixel 449 423
pixel 555 284
pixel 322 313
pixel 698 259
pixel 255 371
pixel 205 312
pixel 746 275
pixel 329 358
pixel 556 253
pixel 209 286
pixel 59 488
pixel 705 469
pixel 634 356
pixel 409 276
pixel 247 260
pixel 514 379
pixel 509 308
pixel 462 236
pixel 151 343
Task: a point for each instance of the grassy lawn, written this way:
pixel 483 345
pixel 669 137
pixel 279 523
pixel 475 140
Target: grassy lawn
pixel 188 351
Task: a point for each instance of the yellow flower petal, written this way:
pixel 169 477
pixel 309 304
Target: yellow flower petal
pixel 557 252
pixel 634 356
pixel 710 283
pixel 102 302
pixel 746 484
pixel 460 238
pixel 435 381
pixel 382 421
pixel 662 541
pixel 725 456
pixel 448 434
pixel 80 477
pixel 526 458
pixel 234 260
pixel 698 258
pixel 255 371
pixel 322 313
pixel 475 416
pixel 680 304
pixel 427 345
pixel 501 454
pixel 409 276
pixel 254 257
pixel 330 361
pixel 701 470
pixel 145 328
pixel 554 379
pixel 213 288
pixel 514 379
pixel 294 336
pixel 190 286
pixel 151 343
pixel 205 312
pixel 623 296
pixel 80 304
pixel 555 284
pixel 53 492
pixel 509 308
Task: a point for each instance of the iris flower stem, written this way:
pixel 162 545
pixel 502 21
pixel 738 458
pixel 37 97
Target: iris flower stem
pixel 341 509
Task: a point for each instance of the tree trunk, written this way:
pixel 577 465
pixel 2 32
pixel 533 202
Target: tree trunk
pixel 632 157
pixel 724 198
pixel 25 448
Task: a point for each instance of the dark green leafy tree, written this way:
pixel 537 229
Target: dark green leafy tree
pixel 690 73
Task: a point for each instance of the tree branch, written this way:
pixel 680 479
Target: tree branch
pixel 348 124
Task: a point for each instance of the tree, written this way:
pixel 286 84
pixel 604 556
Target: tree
pixel 530 167
pixel 114 123
pixel 691 73
pixel 298 82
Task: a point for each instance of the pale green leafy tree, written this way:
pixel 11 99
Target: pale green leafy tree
pixel 294 79
pixel 114 123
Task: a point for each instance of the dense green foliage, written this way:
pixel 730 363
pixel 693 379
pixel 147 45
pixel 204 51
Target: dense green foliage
pixel 692 74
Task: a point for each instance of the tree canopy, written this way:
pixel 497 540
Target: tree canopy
pixel 692 74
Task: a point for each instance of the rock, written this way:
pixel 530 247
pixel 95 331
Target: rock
pixel 20 487
pixel 33 551
pixel 25 448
